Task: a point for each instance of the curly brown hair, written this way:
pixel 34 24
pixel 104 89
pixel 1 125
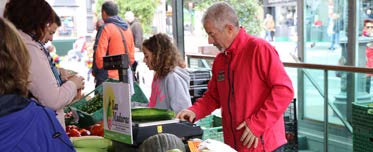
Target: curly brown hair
pixel 14 61
pixel 30 16
pixel 165 54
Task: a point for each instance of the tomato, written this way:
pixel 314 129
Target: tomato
pixel 97 129
pixel 75 133
pixel 101 123
pixel 84 132
pixel 69 127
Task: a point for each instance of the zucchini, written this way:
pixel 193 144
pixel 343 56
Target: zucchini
pixel 151 114
pixel 91 142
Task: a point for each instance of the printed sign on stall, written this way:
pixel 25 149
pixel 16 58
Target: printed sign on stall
pixel 117 112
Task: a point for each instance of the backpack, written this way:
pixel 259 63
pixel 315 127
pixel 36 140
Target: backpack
pixel 100 74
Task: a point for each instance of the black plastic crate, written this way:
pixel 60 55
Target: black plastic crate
pixel 362 114
pixel 362 138
pixel 197 91
pixel 200 74
pixel 291 127
pixel 198 82
pixel 199 77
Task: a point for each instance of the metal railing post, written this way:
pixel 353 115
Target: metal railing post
pixel 326 114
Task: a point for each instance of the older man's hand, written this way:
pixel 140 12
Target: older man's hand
pixel 187 115
pixel 248 138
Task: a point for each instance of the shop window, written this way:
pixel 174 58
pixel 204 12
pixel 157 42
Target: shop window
pixel 67 28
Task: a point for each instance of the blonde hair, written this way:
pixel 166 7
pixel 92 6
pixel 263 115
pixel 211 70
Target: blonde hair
pixel 14 61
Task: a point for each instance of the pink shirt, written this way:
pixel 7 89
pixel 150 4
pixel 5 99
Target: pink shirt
pixel 43 84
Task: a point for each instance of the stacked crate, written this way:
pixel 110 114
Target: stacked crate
pixel 198 82
pixel 362 123
pixel 291 127
pixel 212 128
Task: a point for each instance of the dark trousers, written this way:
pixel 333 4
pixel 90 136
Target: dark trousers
pixel 280 149
pixel 367 84
pixel 133 68
pixel 97 83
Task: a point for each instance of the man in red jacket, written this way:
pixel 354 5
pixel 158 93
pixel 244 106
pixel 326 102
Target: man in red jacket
pixel 249 84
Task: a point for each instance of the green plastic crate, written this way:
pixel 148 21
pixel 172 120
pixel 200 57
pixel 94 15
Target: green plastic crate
pixel 215 133
pixel 87 119
pixel 362 114
pixel 87 98
pixel 139 95
pixel 205 122
pixel 362 139
pixel 216 121
pixel 212 129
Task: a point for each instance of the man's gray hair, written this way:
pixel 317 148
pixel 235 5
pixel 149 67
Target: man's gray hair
pixel 221 14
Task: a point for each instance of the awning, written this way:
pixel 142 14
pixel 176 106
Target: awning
pixel 279 2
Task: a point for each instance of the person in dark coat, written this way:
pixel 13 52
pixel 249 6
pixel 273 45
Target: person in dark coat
pixel 335 26
pixel 136 29
pixel 138 38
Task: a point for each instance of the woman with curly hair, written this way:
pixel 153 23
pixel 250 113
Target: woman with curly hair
pixel 170 86
pixel 24 124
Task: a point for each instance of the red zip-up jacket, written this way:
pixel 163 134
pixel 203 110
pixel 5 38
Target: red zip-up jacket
pixel 249 83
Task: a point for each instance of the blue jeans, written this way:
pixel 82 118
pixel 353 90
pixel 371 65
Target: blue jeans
pixel 269 35
pixel 334 40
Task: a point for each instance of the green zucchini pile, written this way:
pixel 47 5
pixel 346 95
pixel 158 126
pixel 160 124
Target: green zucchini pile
pixel 151 114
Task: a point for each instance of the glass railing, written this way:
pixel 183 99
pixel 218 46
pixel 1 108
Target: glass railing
pixel 326 95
